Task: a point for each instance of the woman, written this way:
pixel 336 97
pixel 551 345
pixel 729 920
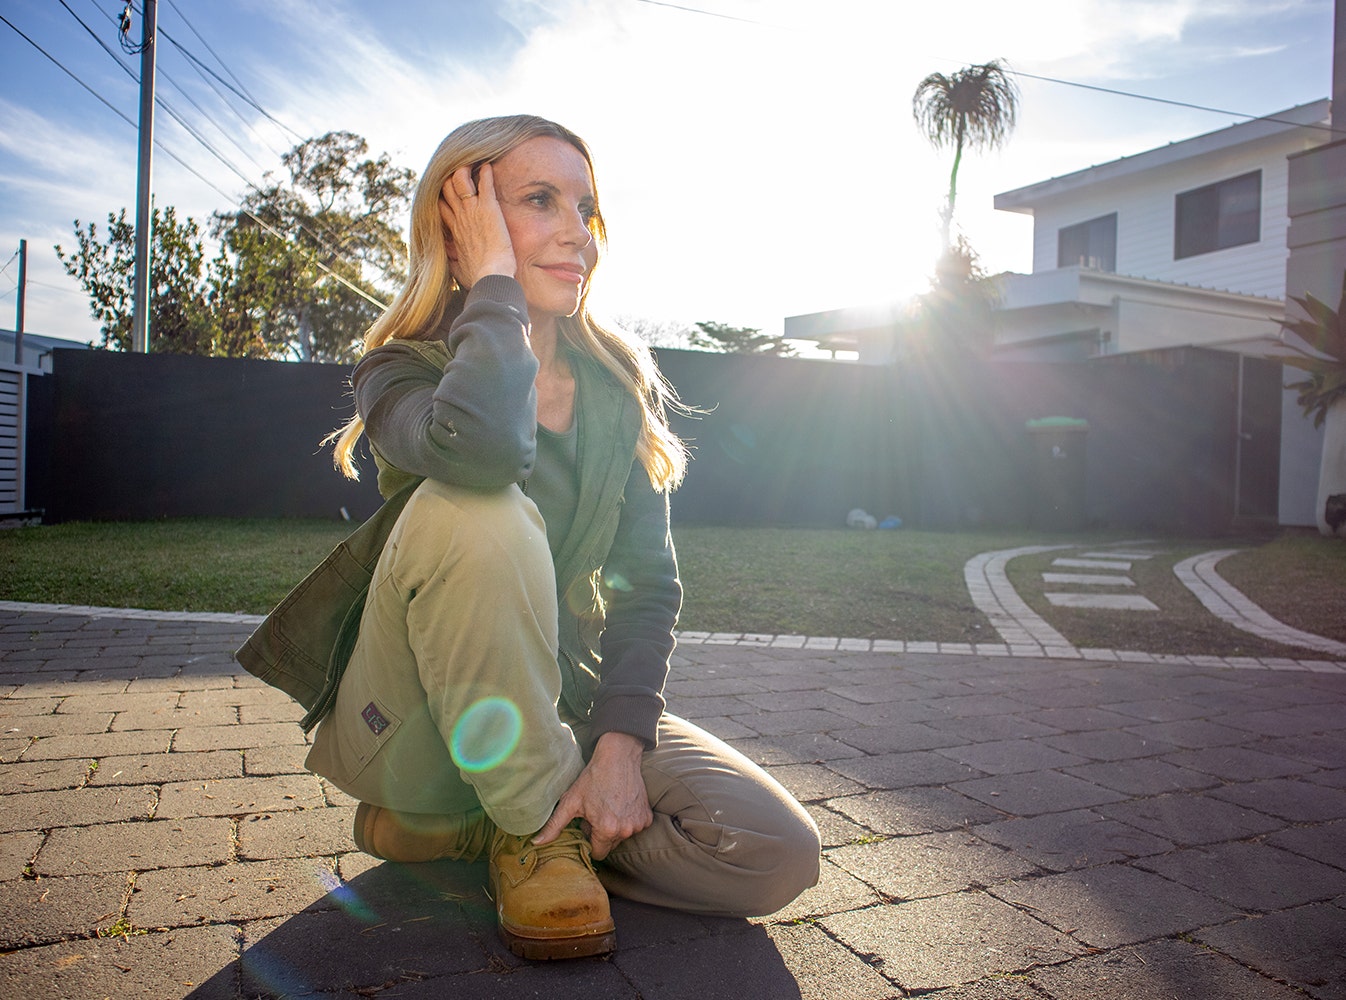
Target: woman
pixel 504 695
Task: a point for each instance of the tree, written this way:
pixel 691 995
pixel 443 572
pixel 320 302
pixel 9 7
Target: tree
pixel 974 108
pixel 301 272
pixel 727 339
pixel 655 332
pixel 186 292
pixel 319 254
pixel 955 318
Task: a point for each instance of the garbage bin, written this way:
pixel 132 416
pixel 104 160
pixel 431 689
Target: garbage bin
pixel 1058 450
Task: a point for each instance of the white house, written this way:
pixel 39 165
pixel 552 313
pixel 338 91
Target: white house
pixel 1184 245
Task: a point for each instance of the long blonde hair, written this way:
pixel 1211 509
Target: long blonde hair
pixel 431 291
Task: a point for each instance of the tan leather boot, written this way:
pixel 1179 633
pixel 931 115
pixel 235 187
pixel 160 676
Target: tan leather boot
pixel 412 837
pixel 549 902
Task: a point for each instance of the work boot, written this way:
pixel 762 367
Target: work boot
pixel 549 901
pixel 412 837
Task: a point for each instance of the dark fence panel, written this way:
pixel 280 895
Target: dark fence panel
pixel 781 441
pixel 164 435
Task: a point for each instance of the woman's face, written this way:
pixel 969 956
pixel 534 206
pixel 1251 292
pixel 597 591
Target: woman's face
pixel 546 195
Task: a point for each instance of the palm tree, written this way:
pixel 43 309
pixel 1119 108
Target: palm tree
pixel 975 107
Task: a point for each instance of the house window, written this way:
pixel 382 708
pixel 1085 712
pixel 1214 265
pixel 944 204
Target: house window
pixel 1226 214
pixel 1089 244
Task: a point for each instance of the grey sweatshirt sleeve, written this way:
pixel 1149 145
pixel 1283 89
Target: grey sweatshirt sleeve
pixel 473 424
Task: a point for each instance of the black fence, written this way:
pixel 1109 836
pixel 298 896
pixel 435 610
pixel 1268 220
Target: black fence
pixel 779 441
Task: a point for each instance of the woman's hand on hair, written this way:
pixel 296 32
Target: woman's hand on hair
pixel 476 236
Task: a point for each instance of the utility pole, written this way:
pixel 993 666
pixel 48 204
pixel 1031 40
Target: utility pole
pixel 23 287
pixel 140 315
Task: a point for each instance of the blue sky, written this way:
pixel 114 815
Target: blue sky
pixel 755 162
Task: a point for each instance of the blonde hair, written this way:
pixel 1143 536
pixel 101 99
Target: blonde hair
pixel 431 291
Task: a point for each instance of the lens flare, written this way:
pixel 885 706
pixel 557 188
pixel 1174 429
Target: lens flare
pixel 486 734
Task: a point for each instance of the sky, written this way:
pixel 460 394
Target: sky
pixel 756 159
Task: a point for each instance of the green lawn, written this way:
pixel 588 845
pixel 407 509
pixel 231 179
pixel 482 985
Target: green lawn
pixel 881 584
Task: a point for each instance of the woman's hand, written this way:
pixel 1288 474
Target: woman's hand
pixel 609 796
pixel 478 240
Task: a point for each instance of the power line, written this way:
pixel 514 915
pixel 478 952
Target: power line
pixel 68 73
pixel 341 279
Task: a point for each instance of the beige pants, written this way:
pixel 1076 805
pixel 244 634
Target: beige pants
pixel 450 702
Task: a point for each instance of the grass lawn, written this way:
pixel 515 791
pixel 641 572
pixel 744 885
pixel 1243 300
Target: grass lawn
pixel 827 582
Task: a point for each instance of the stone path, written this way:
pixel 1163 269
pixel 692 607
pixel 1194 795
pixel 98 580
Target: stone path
pixel 1025 632
pixel 996 826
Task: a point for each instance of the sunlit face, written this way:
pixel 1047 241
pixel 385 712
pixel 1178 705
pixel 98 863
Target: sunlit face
pixel 546 194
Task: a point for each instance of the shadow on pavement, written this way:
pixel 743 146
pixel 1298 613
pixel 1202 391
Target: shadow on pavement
pixel 419 931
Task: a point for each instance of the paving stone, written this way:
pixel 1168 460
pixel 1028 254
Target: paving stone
pixel 909 811
pixel 12 749
pixel 237 737
pixel 119 847
pixel 11 704
pixel 1296 801
pixel 16 850
pixel 275 760
pixel 837 890
pixel 253 890
pixel 929 865
pixel 1001 986
pixel 903 770
pixel 949 940
pixel 1172 970
pixel 1331 778
pixel 804 721
pixel 835 830
pixel 1305 947
pixel 1250 876
pixel 270 712
pixel 157 768
pixel 1037 792
pixel 804 748
pixel 1194 734
pixel 1144 777
pixel 1192 819
pixel 174 718
pixel 1084 718
pixel 1238 763
pixel 79 704
pixel 38 726
pixel 592 979
pixel 97 745
pixel 44 910
pixel 1115 905
pixel 306 833
pixel 200 963
pixel 1326 751
pixel 233 696
pixel 1160 709
pixel 971 706
pixel 812 782
pixel 43 775
pixel 1274 722
pixel 761 964
pixel 1325 842
pixel 983 729
pixel 74 807
pixel 1078 839
pixel 237 796
pixel 889 738
pixel 355 946
pixel 1011 756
